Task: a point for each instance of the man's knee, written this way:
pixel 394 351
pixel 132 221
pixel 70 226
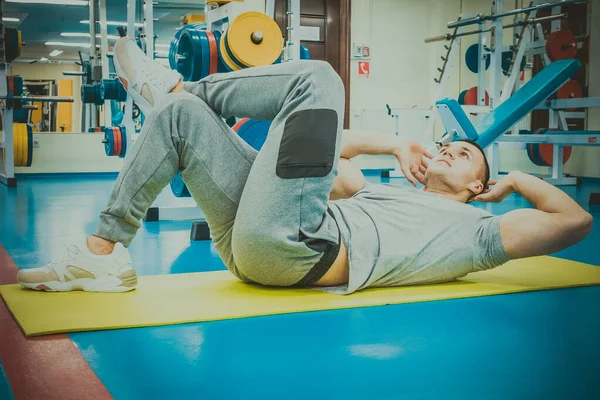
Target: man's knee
pixel 322 74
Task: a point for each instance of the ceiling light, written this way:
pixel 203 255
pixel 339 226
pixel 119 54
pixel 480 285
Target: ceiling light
pixel 10 19
pixel 57 2
pixel 68 44
pixel 56 53
pixel 84 34
pixel 113 23
pixel 43 59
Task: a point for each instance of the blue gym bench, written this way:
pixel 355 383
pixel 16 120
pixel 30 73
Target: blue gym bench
pixel 534 94
pixel 506 115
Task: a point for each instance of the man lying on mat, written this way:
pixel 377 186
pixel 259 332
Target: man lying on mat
pixel 270 212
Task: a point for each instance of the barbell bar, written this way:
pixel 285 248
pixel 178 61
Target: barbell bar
pixel 43 99
pixel 482 17
pixel 449 36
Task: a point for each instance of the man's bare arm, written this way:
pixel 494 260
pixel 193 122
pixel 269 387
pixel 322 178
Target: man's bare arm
pixel 558 221
pixel 367 142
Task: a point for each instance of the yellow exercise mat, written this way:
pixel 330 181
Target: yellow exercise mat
pixel 209 296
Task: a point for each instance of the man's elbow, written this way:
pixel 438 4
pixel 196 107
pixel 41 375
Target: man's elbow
pixel 586 223
pixel 581 226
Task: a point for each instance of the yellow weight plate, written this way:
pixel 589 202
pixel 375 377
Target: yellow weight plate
pixel 17 144
pixel 22 147
pixel 25 145
pixel 241 44
pixel 226 59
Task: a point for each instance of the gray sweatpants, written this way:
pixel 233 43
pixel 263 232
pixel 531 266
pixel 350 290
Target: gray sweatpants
pixel 267 210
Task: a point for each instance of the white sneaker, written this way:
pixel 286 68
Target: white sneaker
pixel 146 80
pixel 79 269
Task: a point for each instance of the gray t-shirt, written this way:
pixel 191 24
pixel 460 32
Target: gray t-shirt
pixel 398 235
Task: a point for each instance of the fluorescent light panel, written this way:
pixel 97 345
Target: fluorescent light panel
pixel 10 19
pixel 112 23
pixel 84 34
pixel 43 59
pixel 68 44
pixel 56 2
pixel 56 53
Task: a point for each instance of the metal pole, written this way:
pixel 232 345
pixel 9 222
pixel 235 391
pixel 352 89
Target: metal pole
pixel 293 28
pixel 481 89
pixel 43 99
pixel 496 55
pixel 103 54
pixel 91 110
pixel 149 28
pixel 128 117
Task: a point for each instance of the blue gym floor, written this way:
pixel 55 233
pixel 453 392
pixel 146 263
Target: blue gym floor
pixel 537 345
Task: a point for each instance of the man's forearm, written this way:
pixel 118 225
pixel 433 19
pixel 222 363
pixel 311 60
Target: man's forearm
pixel 365 142
pixel 544 196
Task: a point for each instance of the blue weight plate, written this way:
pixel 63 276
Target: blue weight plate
pixel 304 53
pixel 254 132
pixel 461 97
pixel 472 58
pixel 175 42
pixel 121 92
pixel 178 187
pixel 29 145
pixel 189 47
pixel 222 62
pixel 184 49
pixel 221 67
pixel 205 49
pixel 109 146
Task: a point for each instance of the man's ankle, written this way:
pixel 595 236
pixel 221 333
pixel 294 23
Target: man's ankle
pixel 99 246
pixel 178 88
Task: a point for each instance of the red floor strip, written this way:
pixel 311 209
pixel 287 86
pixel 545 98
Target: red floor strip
pixel 48 367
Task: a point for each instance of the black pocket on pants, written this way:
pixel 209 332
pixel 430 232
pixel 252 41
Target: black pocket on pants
pixel 307 148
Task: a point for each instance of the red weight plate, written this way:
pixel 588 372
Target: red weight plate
pixel 214 53
pixel 471 97
pixel 546 152
pixel 533 149
pixel 570 90
pixel 117 138
pixel 239 124
pixel 561 45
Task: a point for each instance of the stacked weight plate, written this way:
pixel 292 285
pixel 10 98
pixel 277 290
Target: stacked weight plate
pixel 115 141
pixel 252 39
pixel 23 145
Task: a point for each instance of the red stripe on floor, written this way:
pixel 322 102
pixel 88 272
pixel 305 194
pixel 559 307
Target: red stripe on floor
pixel 49 367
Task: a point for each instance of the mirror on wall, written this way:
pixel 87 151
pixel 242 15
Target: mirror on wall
pixel 57 40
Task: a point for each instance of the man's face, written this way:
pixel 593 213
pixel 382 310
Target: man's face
pixel 458 166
